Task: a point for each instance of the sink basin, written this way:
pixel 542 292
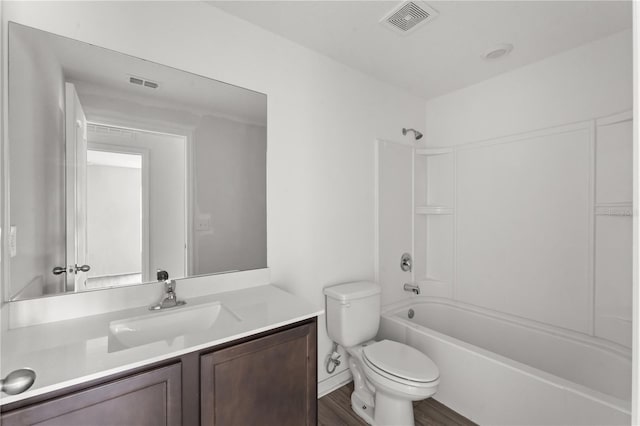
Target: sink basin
pixel 169 324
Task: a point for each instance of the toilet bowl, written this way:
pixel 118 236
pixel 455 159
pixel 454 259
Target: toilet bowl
pixel 388 376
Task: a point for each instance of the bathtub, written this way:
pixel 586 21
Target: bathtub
pixel 498 369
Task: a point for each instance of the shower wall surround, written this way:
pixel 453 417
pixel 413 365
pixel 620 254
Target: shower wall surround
pixel 527 209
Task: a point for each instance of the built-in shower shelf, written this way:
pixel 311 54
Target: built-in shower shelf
pixel 433 151
pixel 428 210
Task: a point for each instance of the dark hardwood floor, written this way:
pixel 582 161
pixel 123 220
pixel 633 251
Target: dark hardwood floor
pixel 335 409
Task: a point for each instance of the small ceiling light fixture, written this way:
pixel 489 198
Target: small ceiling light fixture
pixel 498 51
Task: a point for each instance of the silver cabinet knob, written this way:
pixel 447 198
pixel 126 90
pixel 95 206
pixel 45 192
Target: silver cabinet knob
pixel 18 381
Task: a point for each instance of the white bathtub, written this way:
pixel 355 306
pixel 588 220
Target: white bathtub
pixel 498 369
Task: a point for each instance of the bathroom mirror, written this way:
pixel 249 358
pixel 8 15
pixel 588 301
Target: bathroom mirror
pixel 118 167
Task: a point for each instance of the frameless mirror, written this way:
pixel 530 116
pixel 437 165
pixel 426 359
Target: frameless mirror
pixel 118 167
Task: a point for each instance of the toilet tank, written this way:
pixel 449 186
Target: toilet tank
pixel 353 312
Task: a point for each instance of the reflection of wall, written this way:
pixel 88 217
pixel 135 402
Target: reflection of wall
pixel 166 195
pixel 229 170
pixel 113 220
pixel 524 205
pixel 36 137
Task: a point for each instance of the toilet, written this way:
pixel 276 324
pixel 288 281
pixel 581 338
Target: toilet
pixel 388 376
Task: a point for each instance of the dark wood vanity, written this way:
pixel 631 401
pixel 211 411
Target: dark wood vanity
pixel 266 379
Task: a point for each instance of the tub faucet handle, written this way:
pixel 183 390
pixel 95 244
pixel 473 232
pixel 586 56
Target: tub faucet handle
pixel 406 262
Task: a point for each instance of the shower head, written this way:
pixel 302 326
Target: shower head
pixel 416 134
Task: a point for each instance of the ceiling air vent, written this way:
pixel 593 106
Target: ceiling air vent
pixel 143 82
pixel 408 16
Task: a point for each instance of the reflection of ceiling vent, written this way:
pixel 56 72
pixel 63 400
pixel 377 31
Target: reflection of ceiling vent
pixel 408 16
pixel 143 82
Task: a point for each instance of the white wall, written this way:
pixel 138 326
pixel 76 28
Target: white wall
pixel 323 119
pixel 37 192
pixel 590 81
pixel 531 166
pixel 593 80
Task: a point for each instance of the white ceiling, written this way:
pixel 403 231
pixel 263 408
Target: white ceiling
pixel 443 55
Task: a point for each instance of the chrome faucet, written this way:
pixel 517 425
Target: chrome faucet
pixel 412 287
pixel 169 299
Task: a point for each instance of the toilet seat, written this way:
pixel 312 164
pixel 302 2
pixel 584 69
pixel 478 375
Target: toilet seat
pixel 400 363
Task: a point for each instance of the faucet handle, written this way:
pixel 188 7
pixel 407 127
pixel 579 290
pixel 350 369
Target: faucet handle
pixel 170 285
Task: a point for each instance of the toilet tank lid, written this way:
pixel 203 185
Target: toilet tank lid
pixel 351 291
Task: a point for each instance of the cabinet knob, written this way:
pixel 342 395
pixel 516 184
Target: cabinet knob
pixel 18 381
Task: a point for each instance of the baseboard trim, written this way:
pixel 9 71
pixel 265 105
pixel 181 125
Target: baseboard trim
pixel 332 383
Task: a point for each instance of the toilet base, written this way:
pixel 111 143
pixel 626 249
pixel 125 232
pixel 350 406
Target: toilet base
pixel 388 411
pixel 366 412
pixel 379 402
pixel 393 411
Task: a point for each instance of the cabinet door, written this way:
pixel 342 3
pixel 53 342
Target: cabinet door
pixel 267 381
pixel 152 398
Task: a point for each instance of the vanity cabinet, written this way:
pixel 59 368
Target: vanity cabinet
pixel 151 398
pixel 266 379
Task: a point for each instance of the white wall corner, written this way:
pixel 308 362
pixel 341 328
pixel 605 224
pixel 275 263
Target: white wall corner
pixel 333 382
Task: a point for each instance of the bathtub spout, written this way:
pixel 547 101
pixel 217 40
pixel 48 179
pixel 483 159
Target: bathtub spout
pixel 412 287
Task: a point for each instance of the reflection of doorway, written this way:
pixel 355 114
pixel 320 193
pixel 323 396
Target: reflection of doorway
pixel 117 208
pixel 163 191
pixel 129 186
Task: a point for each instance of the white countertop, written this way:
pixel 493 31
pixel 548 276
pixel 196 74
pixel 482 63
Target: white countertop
pixel 70 352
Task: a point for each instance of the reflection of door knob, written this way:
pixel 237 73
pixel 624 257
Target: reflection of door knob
pixel 18 381
pixel 83 268
pixel 59 270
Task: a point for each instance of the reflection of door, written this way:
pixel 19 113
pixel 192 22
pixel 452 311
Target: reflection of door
pixel 76 186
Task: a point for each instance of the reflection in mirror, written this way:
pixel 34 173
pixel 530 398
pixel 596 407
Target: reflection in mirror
pixel 116 176
pixel 119 167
